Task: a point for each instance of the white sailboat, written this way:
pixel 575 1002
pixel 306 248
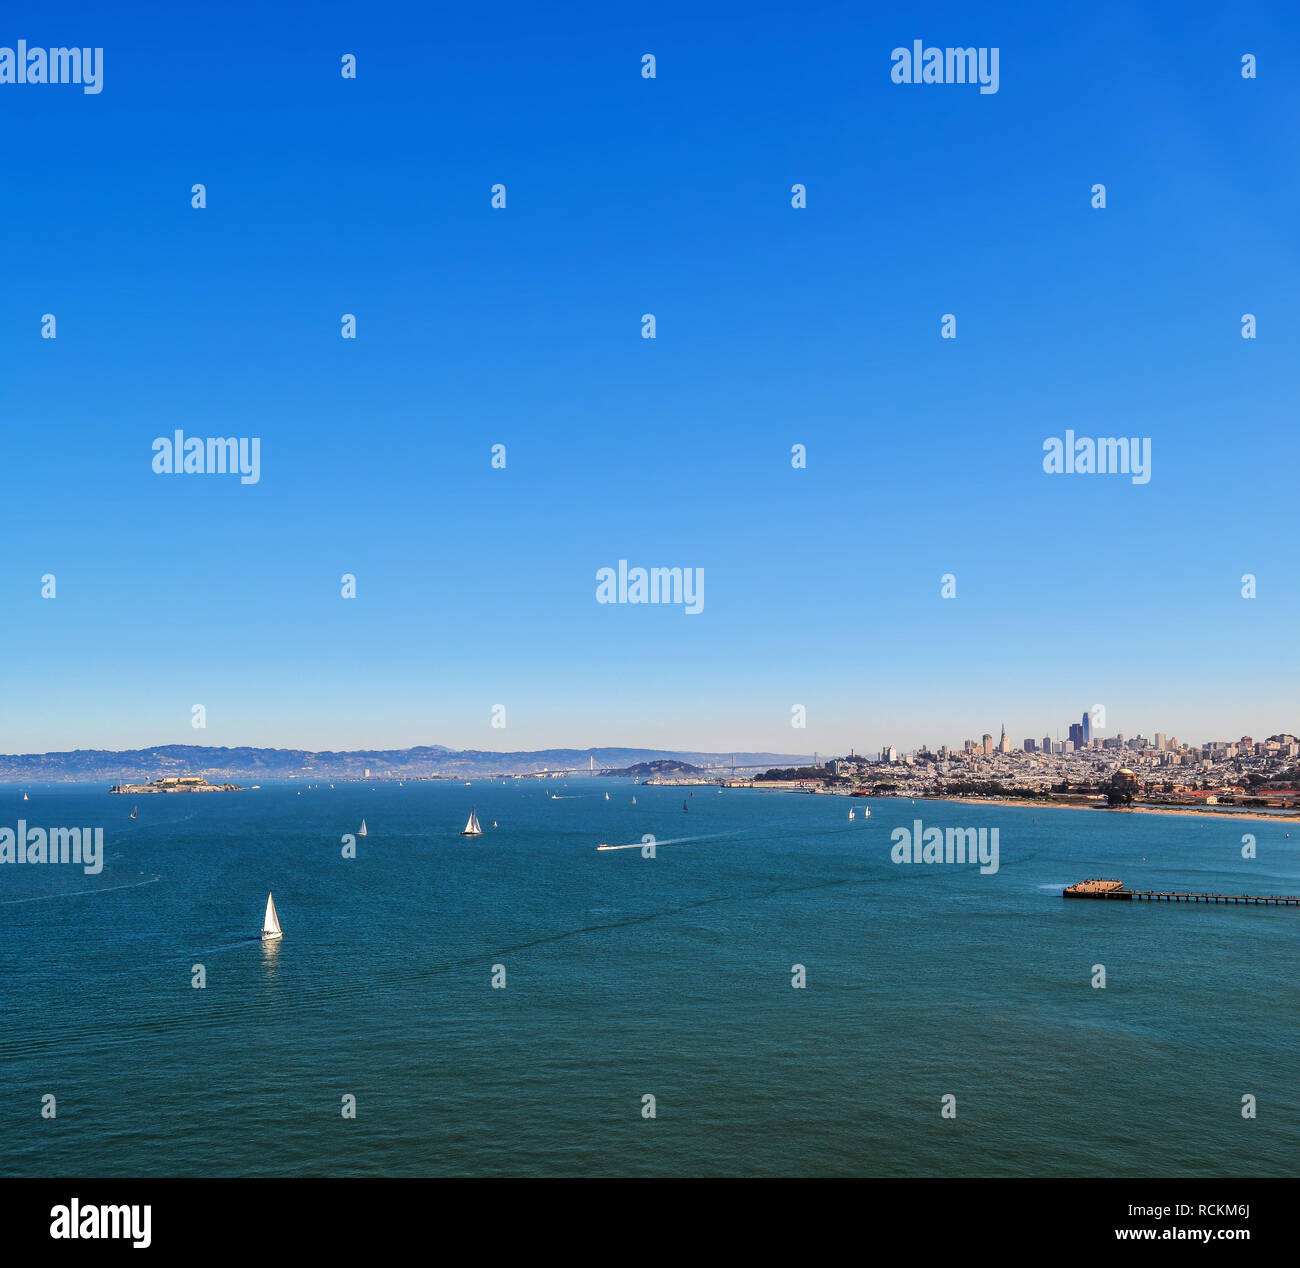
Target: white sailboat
pixel 361 831
pixel 271 922
pixel 851 814
pixel 135 811
pixel 634 799
pixel 607 796
pixel 25 797
pixel 471 828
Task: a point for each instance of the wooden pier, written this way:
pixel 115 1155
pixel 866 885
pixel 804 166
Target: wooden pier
pixel 1110 889
pixel 1265 900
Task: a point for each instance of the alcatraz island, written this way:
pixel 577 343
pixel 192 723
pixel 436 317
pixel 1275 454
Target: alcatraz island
pixel 174 784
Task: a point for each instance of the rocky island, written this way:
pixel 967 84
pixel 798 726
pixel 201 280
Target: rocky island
pixel 174 784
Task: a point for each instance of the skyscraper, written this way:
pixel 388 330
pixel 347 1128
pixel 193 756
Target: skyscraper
pixel 1086 729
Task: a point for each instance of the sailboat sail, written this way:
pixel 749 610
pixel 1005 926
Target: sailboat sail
pixel 361 831
pixel 135 810
pixel 271 922
pixel 471 828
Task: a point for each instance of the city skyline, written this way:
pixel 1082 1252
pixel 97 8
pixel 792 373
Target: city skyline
pixel 1005 745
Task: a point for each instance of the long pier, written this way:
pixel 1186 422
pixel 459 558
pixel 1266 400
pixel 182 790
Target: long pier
pixel 1110 889
pixel 1166 896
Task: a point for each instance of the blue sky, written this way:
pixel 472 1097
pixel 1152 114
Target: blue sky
pixel 775 326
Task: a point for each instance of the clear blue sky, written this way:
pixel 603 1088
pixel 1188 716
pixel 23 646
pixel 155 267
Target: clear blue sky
pixel 775 327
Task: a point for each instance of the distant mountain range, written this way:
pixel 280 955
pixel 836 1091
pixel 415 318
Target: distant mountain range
pixel 220 764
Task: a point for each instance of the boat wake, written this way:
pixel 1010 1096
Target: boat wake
pixel 708 836
pixel 80 893
pixel 254 940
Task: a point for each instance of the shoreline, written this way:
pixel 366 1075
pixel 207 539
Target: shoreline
pixel 1201 811
pixel 1023 803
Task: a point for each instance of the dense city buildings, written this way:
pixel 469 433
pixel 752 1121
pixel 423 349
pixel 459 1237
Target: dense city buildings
pixel 1123 770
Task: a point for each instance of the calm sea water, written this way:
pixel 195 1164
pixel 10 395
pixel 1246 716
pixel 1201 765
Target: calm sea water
pixel 627 976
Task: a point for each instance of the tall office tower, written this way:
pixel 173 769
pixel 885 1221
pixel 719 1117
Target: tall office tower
pixel 1030 746
pixel 1160 741
pixel 987 744
pixel 1004 744
pixel 1086 728
pixel 1047 744
pixel 1076 735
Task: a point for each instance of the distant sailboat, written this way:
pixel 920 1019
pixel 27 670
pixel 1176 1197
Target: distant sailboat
pixel 494 823
pixel 634 799
pixel 135 811
pixel 685 807
pixel 271 922
pixel 361 831
pixel 851 814
pixel 25 797
pixel 607 796
pixel 471 828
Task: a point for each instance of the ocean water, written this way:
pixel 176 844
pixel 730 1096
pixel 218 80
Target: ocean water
pixel 628 976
